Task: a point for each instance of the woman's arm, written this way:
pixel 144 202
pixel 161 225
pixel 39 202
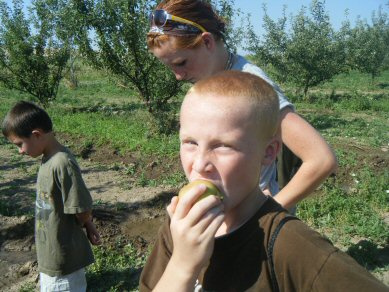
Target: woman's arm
pixel 318 160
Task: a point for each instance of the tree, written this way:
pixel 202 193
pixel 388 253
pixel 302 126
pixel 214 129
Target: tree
pixel 234 35
pixel 32 57
pixel 311 53
pixel 369 44
pixel 271 49
pixel 113 37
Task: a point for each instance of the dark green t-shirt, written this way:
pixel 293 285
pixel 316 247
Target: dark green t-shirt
pixel 61 244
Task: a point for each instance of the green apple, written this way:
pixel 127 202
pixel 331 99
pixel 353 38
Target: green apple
pixel 211 189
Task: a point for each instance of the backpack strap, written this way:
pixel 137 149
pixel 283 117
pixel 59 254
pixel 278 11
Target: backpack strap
pixel 273 278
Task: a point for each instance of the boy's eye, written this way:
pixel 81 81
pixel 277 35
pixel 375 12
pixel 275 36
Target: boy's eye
pixel 188 142
pixel 180 64
pixel 222 145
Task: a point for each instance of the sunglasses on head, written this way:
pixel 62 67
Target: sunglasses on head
pixel 159 18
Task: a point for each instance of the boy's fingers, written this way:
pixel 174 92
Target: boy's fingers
pixel 95 239
pixel 200 209
pixel 98 241
pixel 98 238
pixel 214 225
pixel 186 202
pixel 206 220
pixel 172 206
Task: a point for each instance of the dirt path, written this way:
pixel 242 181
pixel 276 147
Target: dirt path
pixel 133 213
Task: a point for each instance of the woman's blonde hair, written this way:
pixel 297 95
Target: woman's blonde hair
pixel 198 11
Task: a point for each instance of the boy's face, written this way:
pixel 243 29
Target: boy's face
pixel 27 146
pixel 220 143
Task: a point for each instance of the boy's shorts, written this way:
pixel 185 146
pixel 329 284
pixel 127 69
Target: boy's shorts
pixel 74 282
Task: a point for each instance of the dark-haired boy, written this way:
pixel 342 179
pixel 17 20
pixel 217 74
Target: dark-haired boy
pixel 63 202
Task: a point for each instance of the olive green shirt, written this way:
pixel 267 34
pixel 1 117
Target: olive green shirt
pixel 61 244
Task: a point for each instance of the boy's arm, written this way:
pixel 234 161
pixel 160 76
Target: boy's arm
pixel 318 159
pixel 193 227
pixel 85 220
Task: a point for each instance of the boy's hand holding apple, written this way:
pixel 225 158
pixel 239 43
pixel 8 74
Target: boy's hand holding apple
pixel 196 215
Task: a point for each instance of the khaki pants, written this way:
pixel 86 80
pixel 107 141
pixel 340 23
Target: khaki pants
pixel 74 282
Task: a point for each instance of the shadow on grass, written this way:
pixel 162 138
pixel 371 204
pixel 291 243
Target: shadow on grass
pixel 369 254
pixel 107 108
pixel 322 122
pixel 383 85
pixel 18 231
pixel 127 280
pixel 13 165
pixel 16 197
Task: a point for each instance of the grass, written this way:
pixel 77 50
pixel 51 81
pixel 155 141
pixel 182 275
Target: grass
pixel 128 132
pixel 351 112
pixel 364 128
pixel 116 268
pixel 359 209
pixel 358 81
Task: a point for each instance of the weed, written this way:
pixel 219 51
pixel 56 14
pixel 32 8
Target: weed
pixel 130 169
pixel 28 287
pixel 174 179
pixel 16 157
pixel 356 214
pixel 144 181
pixel 120 206
pixel 115 268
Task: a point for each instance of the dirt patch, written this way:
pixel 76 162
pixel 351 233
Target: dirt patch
pixel 133 163
pixel 123 212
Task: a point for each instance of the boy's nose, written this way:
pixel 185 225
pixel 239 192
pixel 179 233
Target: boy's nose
pixel 202 163
pixel 180 75
pixel 21 151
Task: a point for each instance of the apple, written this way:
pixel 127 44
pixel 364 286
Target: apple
pixel 210 190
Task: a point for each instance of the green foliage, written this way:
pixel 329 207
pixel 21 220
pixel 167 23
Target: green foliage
pixel 362 198
pixel 369 45
pixel 129 131
pixel 308 55
pixel 341 124
pixel 116 268
pixel 234 33
pixel 119 46
pixel 28 287
pixel 32 54
pixel 271 48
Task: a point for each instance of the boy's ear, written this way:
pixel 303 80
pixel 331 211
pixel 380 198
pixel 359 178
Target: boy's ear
pixel 271 151
pixel 37 133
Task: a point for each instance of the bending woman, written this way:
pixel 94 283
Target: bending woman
pixel 188 37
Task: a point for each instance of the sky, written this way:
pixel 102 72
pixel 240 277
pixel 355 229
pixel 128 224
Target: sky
pixel 335 8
